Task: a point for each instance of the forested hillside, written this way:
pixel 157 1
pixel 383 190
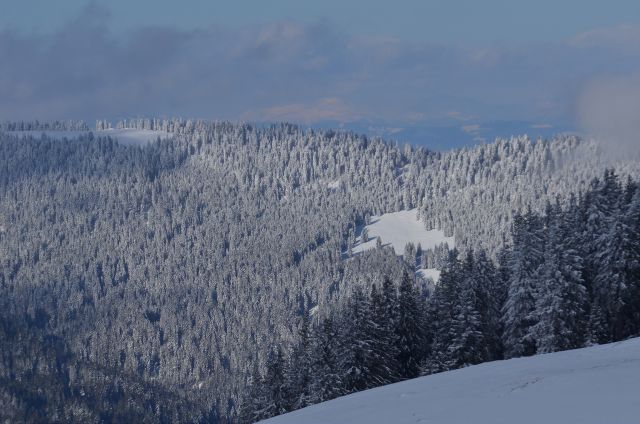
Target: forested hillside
pixel 149 282
pixel 571 279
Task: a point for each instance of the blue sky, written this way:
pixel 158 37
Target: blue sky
pixel 438 73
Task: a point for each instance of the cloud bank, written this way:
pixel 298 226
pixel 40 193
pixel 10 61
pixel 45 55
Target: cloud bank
pixel 305 73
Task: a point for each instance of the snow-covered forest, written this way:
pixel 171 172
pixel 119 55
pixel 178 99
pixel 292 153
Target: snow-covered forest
pixel 160 281
pixel 571 279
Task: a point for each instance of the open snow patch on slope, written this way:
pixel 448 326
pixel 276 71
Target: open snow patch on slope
pixel 595 385
pixel 429 274
pixel 333 185
pixel 399 228
pixel 396 229
pixel 127 136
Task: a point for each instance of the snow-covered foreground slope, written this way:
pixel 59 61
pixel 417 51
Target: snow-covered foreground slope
pixel 596 385
pixel 128 136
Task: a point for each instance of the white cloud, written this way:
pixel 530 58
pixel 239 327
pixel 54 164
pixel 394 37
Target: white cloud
pixel 472 129
pixel 609 109
pixel 624 37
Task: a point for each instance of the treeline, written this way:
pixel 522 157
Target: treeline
pixel 570 279
pixel 70 125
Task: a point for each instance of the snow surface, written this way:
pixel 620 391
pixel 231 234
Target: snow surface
pixel 333 185
pixel 595 385
pixel 128 136
pixel 429 273
pixel 399 228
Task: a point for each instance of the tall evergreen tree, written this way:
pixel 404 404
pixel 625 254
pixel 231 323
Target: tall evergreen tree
pixel 611 284
pixel 254 402
pixel 408 329
pixel 492 288
pixel 518 314
pixel 383 367
pixel 631 247
pixel 326 382
pixel 274 383
pixel 467 346
pixel 299 373
pixel 440 313
pixel 561 296
pixel 356 343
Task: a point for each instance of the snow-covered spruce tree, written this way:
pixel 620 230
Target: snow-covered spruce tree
pixel 409 329
pixel 610 283
pixel 631 248
pixel 356 344
pixel 467 345
pixel 440 316
pixel 326 381
pixel 383 368
pixel 597 327
pixel 562 300
pixel 518 313
pixel 491 291
pixel 500 294
pixel 299 373
pixel 274 384
pixel 254 401
pixel 409 255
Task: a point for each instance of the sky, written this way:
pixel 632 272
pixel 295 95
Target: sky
pixel 433 72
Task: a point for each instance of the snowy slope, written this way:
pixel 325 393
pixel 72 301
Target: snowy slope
pixel 429 273
pixel 400 228
pixel 126 136
pixel 596 385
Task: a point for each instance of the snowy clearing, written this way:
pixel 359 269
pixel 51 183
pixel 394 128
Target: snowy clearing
pixel 595 385
pixel 399 228
pixel 430 273
pixel 126 136
pixel 333 185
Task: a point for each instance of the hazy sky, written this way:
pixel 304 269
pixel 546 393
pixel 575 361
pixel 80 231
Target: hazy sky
pixel 437 72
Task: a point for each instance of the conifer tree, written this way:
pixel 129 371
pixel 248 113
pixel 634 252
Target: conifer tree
pixel 274 383
pixel 440 313
pixel 383 367
pixel 518 314
pixel 299 373
pixel 560 306
pixel 631 247
pixel 408 329
pixel 467 346
pixel 356 343
pixel 326 382
pixel 254 402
